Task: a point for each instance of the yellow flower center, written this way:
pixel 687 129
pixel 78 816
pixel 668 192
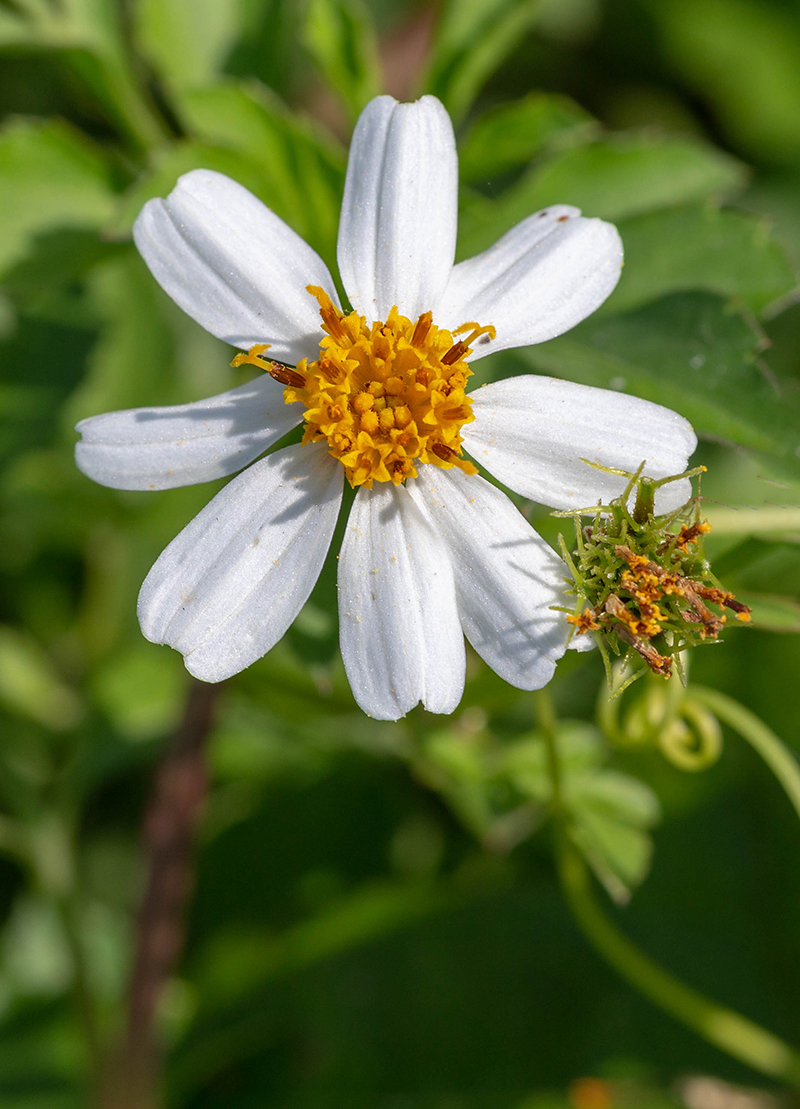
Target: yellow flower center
pixel 383 396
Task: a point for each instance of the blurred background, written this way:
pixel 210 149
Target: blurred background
pixel 371 912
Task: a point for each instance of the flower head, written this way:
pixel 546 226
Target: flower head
pixel 642 581
pixel 432 551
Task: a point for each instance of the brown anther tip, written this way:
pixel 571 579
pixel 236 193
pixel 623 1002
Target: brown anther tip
pixel 441 450
pixel 562 219
pixel 285 375
pixel 458 350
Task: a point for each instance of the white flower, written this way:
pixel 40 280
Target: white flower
pixel 431 550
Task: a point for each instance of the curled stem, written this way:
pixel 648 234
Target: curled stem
pixel 775 754
pixel 724 1028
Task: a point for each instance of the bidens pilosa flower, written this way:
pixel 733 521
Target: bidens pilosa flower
pixel 431 548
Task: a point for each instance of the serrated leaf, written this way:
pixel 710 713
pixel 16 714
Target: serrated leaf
pixel 188 41
pixel 616 178
pixel 510 135
pixel 700 247
pixel 51 177
pixel 340 36
pixel 472 40
pixel 688 352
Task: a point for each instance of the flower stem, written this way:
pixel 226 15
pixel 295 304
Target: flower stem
pixel 775 754
pixel 179 791
pixel 726 1029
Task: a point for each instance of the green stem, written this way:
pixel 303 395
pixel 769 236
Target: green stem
pixel 775 754
pixel 546 720
pixel 726 1029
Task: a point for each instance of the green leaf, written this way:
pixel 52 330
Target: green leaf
pixel 609 812
pixel 510 135
pixel 16 31
pixel 170 162
pixel 142 690
pixel 582 750
pixel 30 686
pixel 340 36
pixel 51 177
pixel 289 164
pixel 619 854
pixel 688 352
pixel 188 41
pixel 615 178
pixel 131 363
pixel 473 39
pixel 700 247
pixel 744 57
pixel 614 796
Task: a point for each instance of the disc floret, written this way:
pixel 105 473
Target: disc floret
pixel 383 396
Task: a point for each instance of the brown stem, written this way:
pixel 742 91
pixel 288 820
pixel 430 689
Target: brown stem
pixel 179 790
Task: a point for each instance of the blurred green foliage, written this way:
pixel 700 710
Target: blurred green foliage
pixel 376 920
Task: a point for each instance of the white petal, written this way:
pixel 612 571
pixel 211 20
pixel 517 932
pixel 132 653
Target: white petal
pixel 533 432
pixel 506 575
pixel 544 276
pixel 397 232
pixel 234 265
pixel 398 622
pixel 227 588
pixel 161 448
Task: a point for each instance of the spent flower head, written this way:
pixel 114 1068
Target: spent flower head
pixel 643 585
pixel 432 551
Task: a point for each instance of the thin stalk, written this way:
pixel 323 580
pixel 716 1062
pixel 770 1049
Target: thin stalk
pixel 179 792
pixel 739 1037
pixel 772 750
pixel 546 721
